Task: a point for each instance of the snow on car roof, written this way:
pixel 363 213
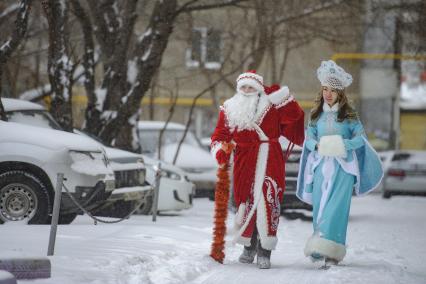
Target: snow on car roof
pixel 14 104
pixel 48 138
pixel 145 124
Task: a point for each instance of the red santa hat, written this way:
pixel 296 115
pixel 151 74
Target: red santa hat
pixel 252 79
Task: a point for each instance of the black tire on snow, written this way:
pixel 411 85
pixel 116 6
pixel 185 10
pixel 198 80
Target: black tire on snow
pixel 24 186
pixel 387 194
pixel 64 219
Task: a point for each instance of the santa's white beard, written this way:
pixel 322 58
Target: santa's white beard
pixel 241 109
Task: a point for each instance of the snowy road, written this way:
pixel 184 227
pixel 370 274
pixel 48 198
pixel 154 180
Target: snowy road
pixel 386 244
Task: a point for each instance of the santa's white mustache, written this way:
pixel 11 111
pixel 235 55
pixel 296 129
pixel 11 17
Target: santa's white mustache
pixel 248 94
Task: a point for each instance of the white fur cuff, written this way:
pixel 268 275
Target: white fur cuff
pixel 332 146
pixel 325 247
pixel 279 96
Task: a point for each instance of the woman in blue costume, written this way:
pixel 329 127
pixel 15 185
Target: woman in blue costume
pixel 336 160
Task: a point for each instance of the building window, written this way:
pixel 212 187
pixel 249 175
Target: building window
pixel 205 50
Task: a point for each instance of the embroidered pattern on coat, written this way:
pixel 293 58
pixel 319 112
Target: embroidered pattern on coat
pixel 273 201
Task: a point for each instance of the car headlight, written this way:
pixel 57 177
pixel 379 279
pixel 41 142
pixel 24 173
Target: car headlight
pixel 170 174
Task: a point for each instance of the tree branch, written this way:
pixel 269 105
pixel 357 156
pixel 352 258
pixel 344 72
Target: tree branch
pixel 187 8
pixel 7 48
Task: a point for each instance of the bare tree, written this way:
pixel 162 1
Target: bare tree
pixel 129 62
pixel 12 43
pixel 269 30
pixel 60 67
pixel 410 21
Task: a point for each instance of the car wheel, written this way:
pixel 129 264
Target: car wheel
pixel 146 207
pixel 23 197
pixel 387 194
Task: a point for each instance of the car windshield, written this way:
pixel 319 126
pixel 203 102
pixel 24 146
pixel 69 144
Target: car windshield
pixel 149 138
pixel 39 118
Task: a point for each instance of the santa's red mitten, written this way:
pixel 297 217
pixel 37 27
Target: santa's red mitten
pixel 271 89
pixel 222 157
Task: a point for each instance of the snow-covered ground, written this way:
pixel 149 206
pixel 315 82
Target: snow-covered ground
pixel 386 244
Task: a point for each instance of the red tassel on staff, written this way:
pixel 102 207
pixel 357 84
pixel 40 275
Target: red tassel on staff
pixel 221 210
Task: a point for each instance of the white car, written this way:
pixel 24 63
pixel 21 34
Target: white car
pixel 30 159
pixel 406 174
pixel 193 158
pixel 176 190
pixel 130 188
pixel 134 176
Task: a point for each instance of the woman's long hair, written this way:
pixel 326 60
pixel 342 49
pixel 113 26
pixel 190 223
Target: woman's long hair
pixel 345 110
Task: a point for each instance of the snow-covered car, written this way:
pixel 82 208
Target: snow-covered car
pixel 406 174
pixel 30 159
pixel 193 158
pixel 130 188
pixel 176 191
pixel 205 142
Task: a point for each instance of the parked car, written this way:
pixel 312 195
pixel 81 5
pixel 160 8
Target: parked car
pixel 31 157
pixel 205 143
pixel 130 188
pixel 386 159
pixel 176 191
pixel 193 158
pixel 290 200
pixel 406 174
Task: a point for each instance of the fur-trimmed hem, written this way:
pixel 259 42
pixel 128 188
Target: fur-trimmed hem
pixel 279 96
pixel 327 248
pixel 243 241
pixel 239 216
pixel 267 242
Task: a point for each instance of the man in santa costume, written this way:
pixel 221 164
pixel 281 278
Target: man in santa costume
pixel 253 120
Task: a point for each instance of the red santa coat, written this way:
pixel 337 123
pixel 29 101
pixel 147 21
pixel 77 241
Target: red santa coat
pixel 259 163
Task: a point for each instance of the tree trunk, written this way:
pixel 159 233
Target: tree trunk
pixel 8 47
pixel 59 63
pixel 118 129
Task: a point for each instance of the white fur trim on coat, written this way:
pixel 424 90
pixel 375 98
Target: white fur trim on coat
pixel 279 96
pixel 325 247
pixel 239 216
pixel 267 242
pixel 261 163
pixel 332 146
pixel 250 82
